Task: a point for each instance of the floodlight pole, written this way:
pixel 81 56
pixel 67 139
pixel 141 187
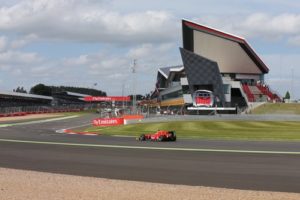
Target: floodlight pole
pixel 292 85
pixel 134 87
pixel 123 86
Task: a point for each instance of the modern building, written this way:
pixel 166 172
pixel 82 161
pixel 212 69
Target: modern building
pixel 214 61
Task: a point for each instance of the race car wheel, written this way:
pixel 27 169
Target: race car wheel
pixel 142 137
pixel 160 138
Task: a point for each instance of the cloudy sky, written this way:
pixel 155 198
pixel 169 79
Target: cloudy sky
pixel 82 42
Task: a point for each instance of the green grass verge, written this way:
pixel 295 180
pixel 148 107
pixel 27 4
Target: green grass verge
pixel 64 114
pixel 277 108
pixel 224 130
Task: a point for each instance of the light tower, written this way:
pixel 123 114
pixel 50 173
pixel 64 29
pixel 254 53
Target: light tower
pixel 133 70
pixel 292 84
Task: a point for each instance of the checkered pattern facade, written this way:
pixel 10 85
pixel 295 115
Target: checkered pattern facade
pixel 202 71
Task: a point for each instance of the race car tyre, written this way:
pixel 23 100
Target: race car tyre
pixel 142 137
pixel 160 138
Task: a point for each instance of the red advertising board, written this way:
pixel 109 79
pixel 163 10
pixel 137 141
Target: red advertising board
pixel 108 98
pixel 108 121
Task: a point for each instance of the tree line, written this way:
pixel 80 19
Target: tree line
pixel 41 89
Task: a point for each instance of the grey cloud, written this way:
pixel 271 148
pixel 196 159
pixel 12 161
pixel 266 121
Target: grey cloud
pixel 82 21
pixel 257 25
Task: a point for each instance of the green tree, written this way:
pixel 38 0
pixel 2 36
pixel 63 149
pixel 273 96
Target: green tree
pixel 20 90
pixel 41 89
pixel 287 95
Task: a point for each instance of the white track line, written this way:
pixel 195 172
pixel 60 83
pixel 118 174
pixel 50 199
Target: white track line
pixel 70 128
pixel 153 148
pixel 38 121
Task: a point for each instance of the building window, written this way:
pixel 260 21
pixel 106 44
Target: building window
pixel 186 89
pixel 226 89
pixel 172 95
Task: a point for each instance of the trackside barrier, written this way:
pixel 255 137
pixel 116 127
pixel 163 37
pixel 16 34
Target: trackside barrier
pixel 108 121
pixel 132 117
pixel 39 109
pixel 16 114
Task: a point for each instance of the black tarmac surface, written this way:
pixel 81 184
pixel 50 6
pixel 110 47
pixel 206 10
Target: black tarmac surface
pixel 273 172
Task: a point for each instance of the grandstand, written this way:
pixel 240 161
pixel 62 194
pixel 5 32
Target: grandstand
pixel 16 104
pixel 68 98
pixel 10 99
pixel 215 61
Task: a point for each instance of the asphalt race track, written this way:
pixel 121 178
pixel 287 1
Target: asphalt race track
pixel 272 166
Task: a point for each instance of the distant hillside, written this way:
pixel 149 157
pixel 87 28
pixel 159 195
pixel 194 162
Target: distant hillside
pixel 46 90
pixel 278 108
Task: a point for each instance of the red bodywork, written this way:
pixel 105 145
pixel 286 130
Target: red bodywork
pixel 161 135
pixel 203 100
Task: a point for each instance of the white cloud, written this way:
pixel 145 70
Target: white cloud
pixel 257 25
pixel 263 24
pixel 112 70
pixel 11 42
pixel 151 52
pixel 140 52
pixel 17 72
pixel 116 76
pixel 40 70
pixel 81 60
pixel 84 21
pixel 21 42
pixel 5 67
pixel 150 34
pixel 17 65
pixel 18 58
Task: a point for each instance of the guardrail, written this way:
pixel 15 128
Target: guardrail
pixel 26 110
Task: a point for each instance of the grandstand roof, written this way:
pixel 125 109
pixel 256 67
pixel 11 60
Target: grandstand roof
pixel 165 71
pixel 76 94
pixel 188 43
pixel 25 95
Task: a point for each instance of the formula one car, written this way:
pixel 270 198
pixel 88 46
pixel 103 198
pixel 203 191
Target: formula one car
pixel 160 135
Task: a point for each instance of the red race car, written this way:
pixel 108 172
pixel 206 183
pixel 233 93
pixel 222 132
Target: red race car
pixel 160 135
